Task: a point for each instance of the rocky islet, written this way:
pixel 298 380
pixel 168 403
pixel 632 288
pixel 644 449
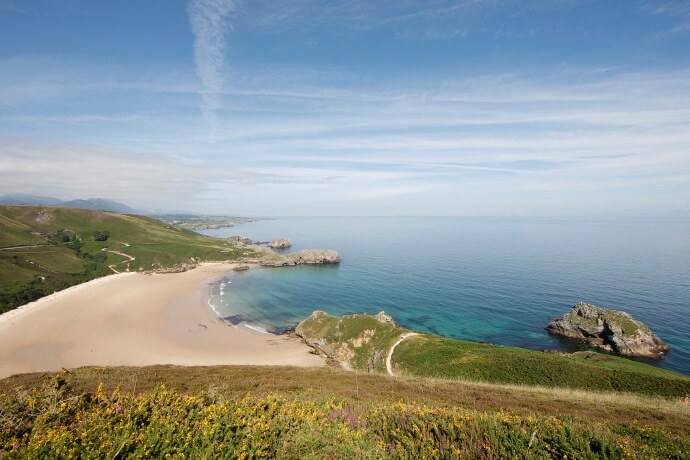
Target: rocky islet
pixel 610 330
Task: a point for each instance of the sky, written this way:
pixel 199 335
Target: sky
pixel 300 107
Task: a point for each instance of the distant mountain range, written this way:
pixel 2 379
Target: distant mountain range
pixel 94 204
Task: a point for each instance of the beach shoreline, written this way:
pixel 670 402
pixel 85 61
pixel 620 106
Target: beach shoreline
pixel 137 319
pixel 228 318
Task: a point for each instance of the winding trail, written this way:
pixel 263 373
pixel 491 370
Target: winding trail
pixel 129 258
pixel 24 247
pixel 389 366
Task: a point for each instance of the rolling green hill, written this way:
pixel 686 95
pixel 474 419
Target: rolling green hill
pixel 364 341
pixel 44 249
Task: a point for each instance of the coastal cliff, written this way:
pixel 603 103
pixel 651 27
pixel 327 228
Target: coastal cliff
pixel 611 330
pixel 358 341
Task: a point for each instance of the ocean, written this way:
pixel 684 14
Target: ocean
pixel 496 280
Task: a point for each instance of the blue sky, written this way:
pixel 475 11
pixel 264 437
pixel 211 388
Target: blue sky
pixel 297 107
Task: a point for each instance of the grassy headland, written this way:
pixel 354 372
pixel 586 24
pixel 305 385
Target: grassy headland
pixel 44 249
pixel 363 342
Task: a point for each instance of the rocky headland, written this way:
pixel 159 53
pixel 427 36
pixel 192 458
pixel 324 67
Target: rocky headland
pixel 358 341
pixel 611 330
pixel 267 257
pixel 305 256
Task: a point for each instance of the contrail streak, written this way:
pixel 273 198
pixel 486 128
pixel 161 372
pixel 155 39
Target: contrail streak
pixel 208 19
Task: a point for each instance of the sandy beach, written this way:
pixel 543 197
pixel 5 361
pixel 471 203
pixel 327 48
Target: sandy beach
pixel 136 320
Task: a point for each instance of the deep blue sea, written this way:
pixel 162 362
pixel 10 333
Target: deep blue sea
pixel 495 280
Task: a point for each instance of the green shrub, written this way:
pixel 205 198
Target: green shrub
pixel 101 235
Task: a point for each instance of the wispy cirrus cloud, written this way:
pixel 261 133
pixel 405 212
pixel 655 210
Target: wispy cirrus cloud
pixel 679 10
pixel 360 14
pixel 209 22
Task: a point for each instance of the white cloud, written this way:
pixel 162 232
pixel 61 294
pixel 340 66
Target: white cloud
pixel 209 21
pixel 78 170
pixel 310 140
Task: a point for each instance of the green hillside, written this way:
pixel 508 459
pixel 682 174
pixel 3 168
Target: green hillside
pixel 363 342
pixel 44 249
pixel 280 412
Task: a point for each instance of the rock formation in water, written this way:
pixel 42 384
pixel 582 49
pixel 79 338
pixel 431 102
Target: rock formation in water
pixel 610 330
pixel 306 256
pixel 281 243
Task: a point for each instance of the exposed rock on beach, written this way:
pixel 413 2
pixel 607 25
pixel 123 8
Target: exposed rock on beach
pixel 611 330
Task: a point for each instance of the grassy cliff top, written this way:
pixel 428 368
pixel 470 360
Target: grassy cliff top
pixel 364 343
pixel 43 249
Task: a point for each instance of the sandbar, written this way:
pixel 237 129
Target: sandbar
pixel 134 319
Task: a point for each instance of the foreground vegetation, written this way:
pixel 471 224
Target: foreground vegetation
pixel 44 249
pixel 363 342
pixel 249 412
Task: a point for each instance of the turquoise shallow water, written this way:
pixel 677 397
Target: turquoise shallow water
pixel 496 280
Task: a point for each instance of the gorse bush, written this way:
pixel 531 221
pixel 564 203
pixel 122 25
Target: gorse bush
pixel 56 422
